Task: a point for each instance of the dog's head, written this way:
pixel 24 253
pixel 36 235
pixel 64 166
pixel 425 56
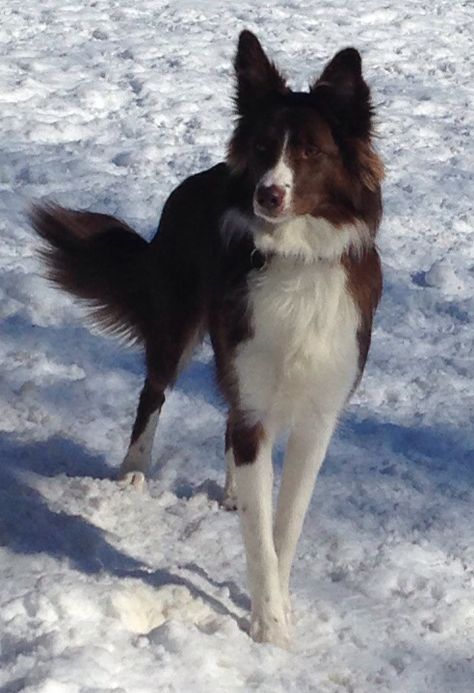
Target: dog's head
pixel 305 154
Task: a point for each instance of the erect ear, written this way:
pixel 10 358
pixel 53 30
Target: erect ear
pixel 257 77
pixel 345 93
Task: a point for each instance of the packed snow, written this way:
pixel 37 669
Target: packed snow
pixel 107 105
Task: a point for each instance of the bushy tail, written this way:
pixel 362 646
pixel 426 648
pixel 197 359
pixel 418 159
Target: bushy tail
pixel 100 259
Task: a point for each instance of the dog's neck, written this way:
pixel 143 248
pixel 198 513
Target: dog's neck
pixel 300 240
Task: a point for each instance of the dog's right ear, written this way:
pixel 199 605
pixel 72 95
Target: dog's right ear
pixel 257 77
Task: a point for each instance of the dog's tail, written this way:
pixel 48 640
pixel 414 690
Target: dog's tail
pixel 100 259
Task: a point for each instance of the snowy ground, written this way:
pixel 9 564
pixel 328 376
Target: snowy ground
pixel 107 105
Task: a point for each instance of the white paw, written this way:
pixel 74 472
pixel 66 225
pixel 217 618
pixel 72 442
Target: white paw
pixel 270 629
pixel 134 479
pixel 229 501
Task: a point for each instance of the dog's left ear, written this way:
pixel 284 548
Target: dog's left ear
pixel 257 77
pixel 343 89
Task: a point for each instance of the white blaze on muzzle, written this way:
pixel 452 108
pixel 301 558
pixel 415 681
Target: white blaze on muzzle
pixel 278 180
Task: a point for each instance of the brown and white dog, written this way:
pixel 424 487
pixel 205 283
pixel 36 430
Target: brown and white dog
pixel 273 253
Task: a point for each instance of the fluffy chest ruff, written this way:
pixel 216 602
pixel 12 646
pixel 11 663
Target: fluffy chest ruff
pixel 303 353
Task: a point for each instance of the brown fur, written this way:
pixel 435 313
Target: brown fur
pixel 246 439
pixel 100 259
pixel 364 281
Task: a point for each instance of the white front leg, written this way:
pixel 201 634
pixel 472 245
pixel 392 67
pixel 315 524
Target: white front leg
pixel 305 453
pixel 254 493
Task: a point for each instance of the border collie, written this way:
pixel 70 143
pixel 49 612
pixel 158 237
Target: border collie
pixel 273 254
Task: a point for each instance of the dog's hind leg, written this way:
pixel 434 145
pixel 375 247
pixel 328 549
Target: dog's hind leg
pixel 165 356
pixel 138 457
pixel 229 499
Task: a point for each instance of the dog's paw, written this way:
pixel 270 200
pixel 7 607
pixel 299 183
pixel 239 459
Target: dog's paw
pixel 132 479
pixel 270 630
pixel 229 501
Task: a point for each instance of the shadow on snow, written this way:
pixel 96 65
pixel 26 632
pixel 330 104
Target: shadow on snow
pixel 29 526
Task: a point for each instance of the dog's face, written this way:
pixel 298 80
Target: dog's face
pixel 304 153
pixel 293 163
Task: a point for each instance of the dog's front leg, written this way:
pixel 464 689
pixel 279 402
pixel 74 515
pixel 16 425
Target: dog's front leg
pixel 252 446
pixel 305 453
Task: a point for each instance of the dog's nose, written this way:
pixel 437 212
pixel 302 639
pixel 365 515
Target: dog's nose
pixel 270 197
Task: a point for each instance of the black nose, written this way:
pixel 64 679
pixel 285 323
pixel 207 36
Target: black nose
pixel 270 197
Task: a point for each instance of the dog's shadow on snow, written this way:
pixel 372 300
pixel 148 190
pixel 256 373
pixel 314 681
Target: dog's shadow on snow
pixel 441 454
pixel 29 526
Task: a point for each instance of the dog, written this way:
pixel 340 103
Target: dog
pixel 272 253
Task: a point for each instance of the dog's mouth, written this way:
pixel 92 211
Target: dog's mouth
pixel 273 216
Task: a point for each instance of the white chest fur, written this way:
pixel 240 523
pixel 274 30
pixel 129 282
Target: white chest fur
pixel 304 352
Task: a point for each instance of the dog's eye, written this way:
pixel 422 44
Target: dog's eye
pixel 309 150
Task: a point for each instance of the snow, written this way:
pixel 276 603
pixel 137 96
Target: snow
pixel 108 105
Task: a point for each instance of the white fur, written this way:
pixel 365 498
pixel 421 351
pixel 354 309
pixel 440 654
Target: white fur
pixel 282 176
pixel 305 453
pixel 254 491
pixel 236 224
pixel 138 455
pixel 304 345
pixel 310 238
pixel 296 374
pixel 305 238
